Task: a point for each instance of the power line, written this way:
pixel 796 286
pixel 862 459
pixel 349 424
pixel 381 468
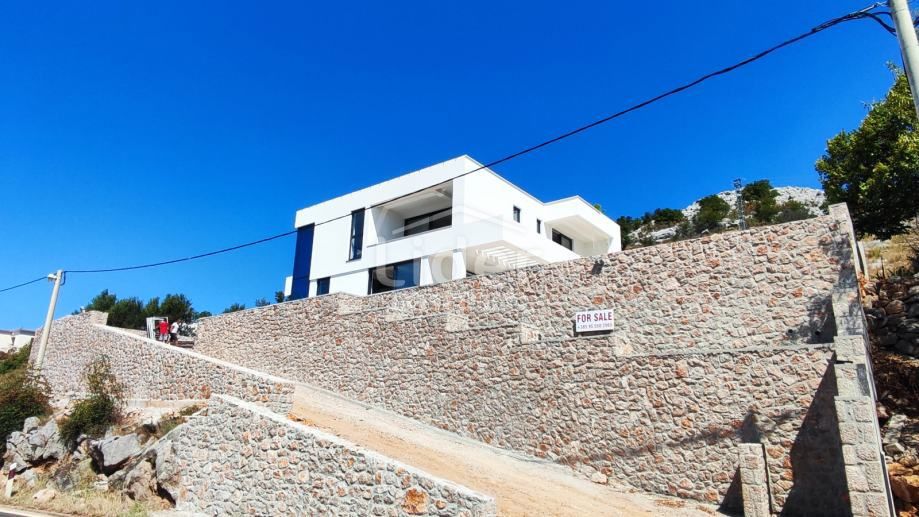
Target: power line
pixel 855 15
pixel 155 264
pixel 10 288
pixel 184 259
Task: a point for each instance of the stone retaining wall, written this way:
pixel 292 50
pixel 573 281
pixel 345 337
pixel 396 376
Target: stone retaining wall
pixel 719 341
pixel 765 286
pixel 149 369
pixel 238 458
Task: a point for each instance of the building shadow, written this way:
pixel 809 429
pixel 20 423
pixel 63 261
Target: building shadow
pixel 816 459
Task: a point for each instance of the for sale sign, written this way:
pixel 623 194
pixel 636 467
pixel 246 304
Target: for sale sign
pixel 592 321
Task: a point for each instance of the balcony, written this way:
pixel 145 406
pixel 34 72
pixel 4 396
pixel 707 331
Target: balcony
pixel 428 210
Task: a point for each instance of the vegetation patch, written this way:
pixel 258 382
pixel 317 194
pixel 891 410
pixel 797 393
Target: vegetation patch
pixel 101 409
pixel 22 393
pixel 85 499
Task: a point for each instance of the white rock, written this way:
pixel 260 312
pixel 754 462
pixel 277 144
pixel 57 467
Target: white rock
pixel 30 424
pixel 45 495
pixel 111 453
pixel 28 478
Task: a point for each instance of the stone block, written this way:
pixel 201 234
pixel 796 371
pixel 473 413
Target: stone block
pixel 849 349
pixel 855 477
pixel 456 323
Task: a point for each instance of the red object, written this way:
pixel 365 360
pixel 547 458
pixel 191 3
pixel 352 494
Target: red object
pixel 164 327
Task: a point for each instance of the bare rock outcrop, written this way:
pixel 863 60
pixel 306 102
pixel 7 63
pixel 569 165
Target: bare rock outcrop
pixel 34 445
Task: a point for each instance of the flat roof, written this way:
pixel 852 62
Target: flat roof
pixel 401 186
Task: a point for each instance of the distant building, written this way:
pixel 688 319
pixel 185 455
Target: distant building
pixel 15 339
pixel 435 225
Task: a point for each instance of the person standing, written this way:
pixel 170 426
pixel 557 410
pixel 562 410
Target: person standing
pixel 174 332
pixel 164 330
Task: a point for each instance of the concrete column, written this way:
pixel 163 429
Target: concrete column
pixel 426 277
pixel 459 265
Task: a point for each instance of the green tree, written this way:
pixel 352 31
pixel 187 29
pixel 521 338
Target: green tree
pixel 759 201
pixel 203 314
pixel 102 301
pixel 667 217
pixel 279 296
pixel 712 209
pixel 234 308
pixel 875 168
pixel 127 313
pixel 262 302
pixel 626 226
pixel 177 307
pixel 152 308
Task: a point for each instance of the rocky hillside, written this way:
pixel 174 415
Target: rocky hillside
pixel 811 198
pixel 763 203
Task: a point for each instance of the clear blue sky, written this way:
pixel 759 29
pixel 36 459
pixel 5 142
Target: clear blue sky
pixel 134 132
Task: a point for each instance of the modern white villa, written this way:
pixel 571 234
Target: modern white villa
pixel 440 223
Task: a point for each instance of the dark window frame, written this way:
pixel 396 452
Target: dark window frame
pixel 440 221
pixel 539 226
pixel 356 241
pixel 517 213
pixel 323 282
pixel 560 238
pixel 383 288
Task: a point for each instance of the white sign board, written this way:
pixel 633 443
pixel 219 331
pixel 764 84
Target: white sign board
pixel 591 321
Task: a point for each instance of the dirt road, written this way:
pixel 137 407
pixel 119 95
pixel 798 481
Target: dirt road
pixel 521 485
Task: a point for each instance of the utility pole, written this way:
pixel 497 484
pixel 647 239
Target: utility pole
pixel 741 216
pixel 909 44
pixel 46 330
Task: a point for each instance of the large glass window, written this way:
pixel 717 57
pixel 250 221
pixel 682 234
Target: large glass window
pixel 322 286
pixel 357 234
pixel 426 222
pixel 303 257
pixel 394 276
pixel 560 238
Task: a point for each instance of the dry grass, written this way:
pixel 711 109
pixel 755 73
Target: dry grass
pixel 891 257
pixel 84 499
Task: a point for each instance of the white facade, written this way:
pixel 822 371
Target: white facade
pixel 473 224
pixel 12 340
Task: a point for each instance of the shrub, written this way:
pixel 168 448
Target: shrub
pixel 15 360
pixel 91 416
pixel 712 209
pixel 792 210
pixel 102 408
pixel 22 395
